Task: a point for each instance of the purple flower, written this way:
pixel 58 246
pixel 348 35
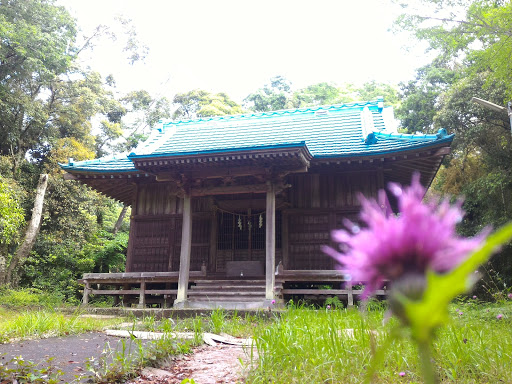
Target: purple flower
pixel 509 296
pixel 461 313
pixel 401 374
pixel 422 237
pixel 474 297
pixel 273 302
pixel 499 317
pixel 328 307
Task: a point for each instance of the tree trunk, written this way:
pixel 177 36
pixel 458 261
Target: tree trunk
pixel 120 219
pixel 32 229
pixel 3 262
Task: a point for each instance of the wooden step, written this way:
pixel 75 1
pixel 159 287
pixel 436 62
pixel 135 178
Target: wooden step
pixel 227 298
pixel 233 282
pixel 226 288
pixel 225 293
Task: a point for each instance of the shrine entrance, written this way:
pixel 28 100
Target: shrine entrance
pixel 240 250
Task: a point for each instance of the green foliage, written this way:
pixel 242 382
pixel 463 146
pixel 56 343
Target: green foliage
pixel 75 238
pixel 18 370
pixel 218 320
pixel 334 302
pixel 316 95
pixel 280 95
pixel 12 216
pixel 118 365
pixel 472 40
pixel 199 103
pixel 28 323
pixel 272 97
pixel 30 297
pixel 420 97
pixel 475 33
pixel 430 312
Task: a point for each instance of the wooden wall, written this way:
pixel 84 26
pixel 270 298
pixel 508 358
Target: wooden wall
pixel 155 230
pixel 316 204
pixel 334 190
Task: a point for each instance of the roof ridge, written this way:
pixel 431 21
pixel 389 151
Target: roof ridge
pixel 360 104
pixel 441 134
pixel 103 159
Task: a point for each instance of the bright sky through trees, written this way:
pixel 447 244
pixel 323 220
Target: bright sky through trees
pixel 236 46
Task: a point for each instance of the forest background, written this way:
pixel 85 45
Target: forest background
pixel 51 109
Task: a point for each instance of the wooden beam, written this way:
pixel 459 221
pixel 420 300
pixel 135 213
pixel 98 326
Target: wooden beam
pixel 69 176
pixel 234 189
pixel 186 248
pixel 217 172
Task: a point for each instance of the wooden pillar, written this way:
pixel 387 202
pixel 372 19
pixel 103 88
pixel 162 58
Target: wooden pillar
pixel 87 290
pixel 212 260
pixel 186 248
pixel 142 294
pixel 350 294
pixel 284 240
pixel 133 231
pixel 270 242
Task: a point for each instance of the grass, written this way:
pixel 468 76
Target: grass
pixel 218 321
pixel 29 324
pixel 307 345
pixel 302 344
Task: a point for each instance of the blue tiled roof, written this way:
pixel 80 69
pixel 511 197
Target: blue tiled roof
pixel 119 163
pixel 345 130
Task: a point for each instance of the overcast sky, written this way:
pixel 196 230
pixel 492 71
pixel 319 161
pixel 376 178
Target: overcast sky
pixel 236 46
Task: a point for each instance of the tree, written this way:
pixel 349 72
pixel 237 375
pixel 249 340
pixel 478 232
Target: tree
pixel 272 97
pixel 325 94
pixel 420 97
pixel 316 94
pixel 200 103
pixel 143 112
pixel 474 33
pixel 47 103
pixel 474 46
pixel 37 41
pixel 12 219
pixel 32 230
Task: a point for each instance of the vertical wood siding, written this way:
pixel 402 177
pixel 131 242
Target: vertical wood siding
pixel 319 204
pixel 155 233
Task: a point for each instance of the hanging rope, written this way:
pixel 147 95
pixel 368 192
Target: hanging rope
pixel 245 214
pixel 245 217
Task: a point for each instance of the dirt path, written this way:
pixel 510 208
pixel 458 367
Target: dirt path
pixel 207 365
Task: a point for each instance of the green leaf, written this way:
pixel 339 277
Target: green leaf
pixel 431 311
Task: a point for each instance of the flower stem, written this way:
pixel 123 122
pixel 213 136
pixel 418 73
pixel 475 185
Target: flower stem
pixel 427 367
